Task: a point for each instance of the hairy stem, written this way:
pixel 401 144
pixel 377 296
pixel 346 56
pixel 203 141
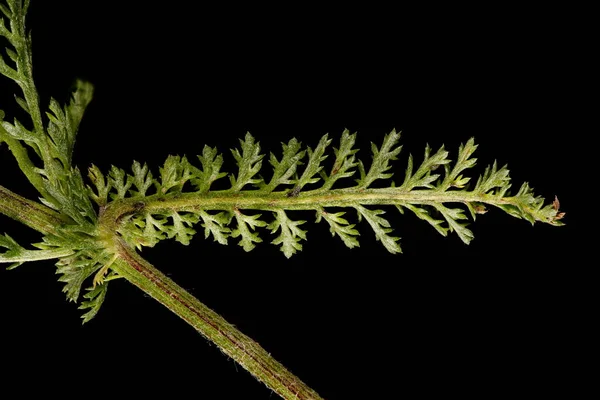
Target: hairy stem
pixel 30 213
pixel 230 340
pixel 310 200
pixel 129 265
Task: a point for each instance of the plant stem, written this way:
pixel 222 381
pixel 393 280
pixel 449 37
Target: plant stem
pixel 230 340
pixel 129 265
pixel 309 200
pixel 35 215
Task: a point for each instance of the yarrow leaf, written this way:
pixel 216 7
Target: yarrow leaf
pixel 155 229
pixel 283 170
pixel 140 209
pixel 102 186
pixel 313 165
pixel 14 251
pixel 464 161
pixel 446 186
pixel 94 299
pixel 81 96
pixel 216 225
pixel 453 216
pixel 423 176
pixel 141 179
pixel 381 160
pixel 249 163
pixel 381 227
pixel 147 208
pixel 119 180
pixel 174 174
pixel 62 137
pixel 425 215
pixel 345 160
pixel 181 229
pixel 211 166
pixel 245 227
pixel 290 234
pixel 340 226
pixel 75 269
pixel 493 178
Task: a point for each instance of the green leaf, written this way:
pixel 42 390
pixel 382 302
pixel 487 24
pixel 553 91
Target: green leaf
pixel 381 227
pixel 464 161
pixel 340 226
pixel 245 225
pixel 62 138
pixel 493 178
pixel 22 103
pixel 9 72
pixel 249 163
pixel 211 166
pixel 102 186
pixel 131 230
pixel 142 179
pixel 81 96
pixel 423 214
pixel 423 176
pixel 525 204
pixel 174 174
pixel 7 13
pixel 345 160
pixel 155 229
pixel 290 234
pixel 452 216
pixel 78 196
pixel 94 299
pixel 217 225
pixel 13 253
pixel 75 269
pixel 283 170
pixel 19 132
pixel 313 166
pixel 120 181
pixel 9 243
pixel 181 229
pixel 381 160
pixel 69 196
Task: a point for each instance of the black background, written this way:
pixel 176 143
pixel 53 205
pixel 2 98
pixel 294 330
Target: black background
pixel 495 317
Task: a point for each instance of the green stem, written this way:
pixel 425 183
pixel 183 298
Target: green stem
pixel 231 341
pixel 309 200
pixel 129 265
pixel 37 216
pixel 249 354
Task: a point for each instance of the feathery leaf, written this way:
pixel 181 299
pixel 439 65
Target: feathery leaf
pixel 94 299
pixel 313 165
pixel 249 163
pixel 284 169
pixel 340 226
pixel 290 234
pixel 381 227
pixel 381 160
pixel 245 227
